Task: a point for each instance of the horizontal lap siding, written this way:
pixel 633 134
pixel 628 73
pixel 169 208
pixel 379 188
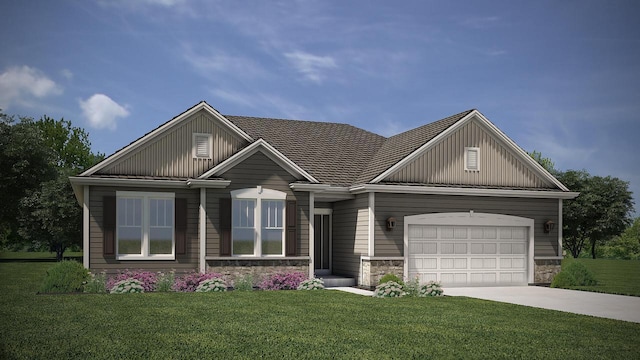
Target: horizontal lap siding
pixel 171 153
pixel 97 261
pixel 257 170
pixel 350 235
pixel 391 243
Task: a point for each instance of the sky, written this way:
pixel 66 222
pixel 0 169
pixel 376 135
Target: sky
pixel 558 77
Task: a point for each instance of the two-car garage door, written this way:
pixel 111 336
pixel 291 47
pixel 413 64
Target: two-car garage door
pixel 464 255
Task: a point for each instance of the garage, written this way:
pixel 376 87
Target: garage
pixel 467 249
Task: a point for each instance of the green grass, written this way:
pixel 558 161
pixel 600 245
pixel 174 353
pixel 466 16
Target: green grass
pixel 614 276
pixel 288 324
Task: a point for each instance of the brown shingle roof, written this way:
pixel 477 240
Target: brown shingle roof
pixel 333 153
pixel 340 154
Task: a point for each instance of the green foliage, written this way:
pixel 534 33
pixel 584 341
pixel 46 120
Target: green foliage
pixel 389 289
pixel 165 281
pixel 574 274
pixel 614 276
pixel 96 284
pixel 312 284
pixel 600 212
pixel 290 324
pixel 244 283
pixel 390 277
pixel 127 286
pixel 626 246
pixel 545 162
pixel 212 285
pixel 65 277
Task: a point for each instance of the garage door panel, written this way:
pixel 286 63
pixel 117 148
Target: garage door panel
pixel 469 255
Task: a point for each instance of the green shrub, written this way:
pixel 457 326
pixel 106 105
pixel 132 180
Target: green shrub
pixel 165 281
pixel 96 283
pixel 390 277
pixel 312 284
pixel 212 285
pixel 65 277
pixel 574 274
pixel 127 286
pixel 390 289
pixel 244 283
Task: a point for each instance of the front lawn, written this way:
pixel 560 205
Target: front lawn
pixel 289 324
pixel 614 276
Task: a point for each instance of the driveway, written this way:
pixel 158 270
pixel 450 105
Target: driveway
pixel 616 307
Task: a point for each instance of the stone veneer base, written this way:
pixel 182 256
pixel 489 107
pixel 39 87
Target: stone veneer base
pixel 258 269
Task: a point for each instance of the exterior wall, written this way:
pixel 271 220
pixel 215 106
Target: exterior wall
pixel 444 163
pixel 546 270
pixel 98 262
pixel 391 243
pixel 256 170
pixel 233 270
pixel 170 154
pixel 350 236
pixel 374 269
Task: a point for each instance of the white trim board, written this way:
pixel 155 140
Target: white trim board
pixel 446 190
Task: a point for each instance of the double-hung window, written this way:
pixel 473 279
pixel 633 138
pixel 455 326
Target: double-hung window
pixel 258 222
pixel 145 225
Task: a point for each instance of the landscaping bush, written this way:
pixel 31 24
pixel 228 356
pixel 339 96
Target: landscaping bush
pixel 244 283
pixel 127 286
pixel 64 277
pixel 283 281
pixel 390 277
pixel 148 279
pixel 165 281
pixel 389 289
pixel 212 285
pixel 97 283
pixel 432 288
pixel 574 274
pixel 311 284
pixel 189 282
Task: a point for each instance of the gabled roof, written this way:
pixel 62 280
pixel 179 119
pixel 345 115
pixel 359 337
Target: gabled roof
pixel 163 128
pixel 400 146
pixel 333 153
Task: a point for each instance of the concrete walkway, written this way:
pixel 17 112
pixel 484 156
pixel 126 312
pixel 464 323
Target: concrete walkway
pixel 616 307
pixel 352 290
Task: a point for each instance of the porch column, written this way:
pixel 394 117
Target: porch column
pixel 312 206
pixel 202 231
pixel 560 227
pixel 371 227
pixel 85 227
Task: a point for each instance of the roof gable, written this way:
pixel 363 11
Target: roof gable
pixel 440 159
pixel 166 151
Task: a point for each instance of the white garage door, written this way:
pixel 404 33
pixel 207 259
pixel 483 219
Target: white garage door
pixel 468 255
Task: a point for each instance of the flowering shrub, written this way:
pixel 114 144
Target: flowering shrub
pixel 389 289
pixel 189 282
pixel 165 281
pixel 126 286
pixel 148 279
pixel 96 284
pixel 432 288
pixel 244 283
pixel 211 285
pixel 311 284
pixel 283 281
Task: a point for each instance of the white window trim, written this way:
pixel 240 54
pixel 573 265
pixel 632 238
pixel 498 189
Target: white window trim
pixel 466 160
pixel 258 194
pixel 146 196
pixel 209 146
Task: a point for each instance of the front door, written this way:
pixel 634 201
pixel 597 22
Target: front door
pixel 322 241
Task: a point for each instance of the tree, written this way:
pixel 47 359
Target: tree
pixel 626 246
pixel 600 212
pixel 545 162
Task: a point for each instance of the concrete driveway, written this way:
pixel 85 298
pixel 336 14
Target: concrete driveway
pixel 616 307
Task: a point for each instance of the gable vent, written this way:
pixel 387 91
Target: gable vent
pixel 202 145
pixel 472 159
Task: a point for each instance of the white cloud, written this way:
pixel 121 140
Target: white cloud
pixel 21 83
pixel 67 74
pixel 311 66
pixel 211 63
pixel 102 112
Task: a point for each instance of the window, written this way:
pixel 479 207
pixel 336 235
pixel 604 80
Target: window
pixel 258 222
pixel 472 159
pixel 202 144
pixel 145 225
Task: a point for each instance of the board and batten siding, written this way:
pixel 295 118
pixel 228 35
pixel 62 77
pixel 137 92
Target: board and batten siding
pixel 256 170
pixel 171 153
pixel 391 242
pixel 98 262
pixel 350 235
pixel 444 163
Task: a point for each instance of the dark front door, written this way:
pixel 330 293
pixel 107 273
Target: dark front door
pixel 322 242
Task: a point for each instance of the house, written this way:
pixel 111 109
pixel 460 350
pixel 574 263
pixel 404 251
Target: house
pixel 455 200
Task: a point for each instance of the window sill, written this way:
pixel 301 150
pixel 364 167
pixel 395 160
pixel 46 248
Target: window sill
pixel 145 258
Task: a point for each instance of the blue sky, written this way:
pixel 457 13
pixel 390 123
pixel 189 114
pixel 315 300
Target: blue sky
pixel 562 78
